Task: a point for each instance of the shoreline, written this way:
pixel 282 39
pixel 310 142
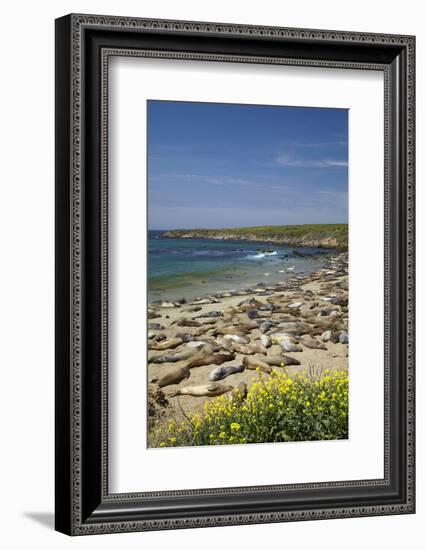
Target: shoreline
pixel 308 310
pixel 235 277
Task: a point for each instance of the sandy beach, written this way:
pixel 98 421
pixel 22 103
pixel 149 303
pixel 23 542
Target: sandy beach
pixel 304 318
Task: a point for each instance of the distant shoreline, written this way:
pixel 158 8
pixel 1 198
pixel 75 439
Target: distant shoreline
pixel 333 236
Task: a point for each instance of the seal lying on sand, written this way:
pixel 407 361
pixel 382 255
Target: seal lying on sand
pixel 170 343
pixel 211 359
pixel 313 344
pixel 252 363
pixel 188 323
pixel 209 390
pixel 239 329
pixel 278 360
pixel 236 338
pixel 290 344
pixel 250 349
pixel 182 355
pixel 219 373
pixel 266 341
pixel 173 377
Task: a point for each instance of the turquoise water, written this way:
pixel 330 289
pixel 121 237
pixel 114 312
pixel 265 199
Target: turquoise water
pixel 186 268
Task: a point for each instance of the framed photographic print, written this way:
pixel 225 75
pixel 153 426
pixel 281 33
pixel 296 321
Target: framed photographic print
pixel 234 274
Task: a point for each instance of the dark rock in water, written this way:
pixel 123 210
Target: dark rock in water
pixel 252 313
pixel 181 301
pixel 299 254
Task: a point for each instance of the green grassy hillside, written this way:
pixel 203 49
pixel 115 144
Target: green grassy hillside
pixel 320 235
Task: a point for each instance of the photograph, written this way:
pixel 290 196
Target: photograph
pixel 247 274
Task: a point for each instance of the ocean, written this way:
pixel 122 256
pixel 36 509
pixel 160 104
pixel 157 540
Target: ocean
pixel 188 268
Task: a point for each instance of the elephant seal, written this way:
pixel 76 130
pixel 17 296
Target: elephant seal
pixel 155 326
pixel 236 338
pixel 182 355
pixel 173 377
pixel 290 344
pixel 278 360
pixel 325 336
pixel 219 373
pixel 185 337
pixel 294 327
pixel 170 343
pixel 278 337
pixel 240 329
pixel 250 349
pixel 188 323
pixel 211 359
pixel 209 390
pixel 252 363
pixel 313 344
pixel 343 338
pixel 210 314
pixel 231 329
pixel 198 344
pixel 265 326
pixel 266 341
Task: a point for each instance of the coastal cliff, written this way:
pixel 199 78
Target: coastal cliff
pixel 315 235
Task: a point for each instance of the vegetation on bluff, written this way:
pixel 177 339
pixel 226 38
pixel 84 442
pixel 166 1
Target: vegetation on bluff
pixel 318 235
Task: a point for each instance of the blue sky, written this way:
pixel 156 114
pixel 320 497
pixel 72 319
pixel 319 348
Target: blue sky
pixel 225 165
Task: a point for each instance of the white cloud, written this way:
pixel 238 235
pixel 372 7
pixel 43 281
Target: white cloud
pixel 289 160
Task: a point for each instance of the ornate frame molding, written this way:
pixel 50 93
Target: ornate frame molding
pixel 73 516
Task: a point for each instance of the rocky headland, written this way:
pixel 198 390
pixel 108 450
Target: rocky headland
pixel 331 236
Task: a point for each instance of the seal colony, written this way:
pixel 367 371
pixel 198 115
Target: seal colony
pixel 216 344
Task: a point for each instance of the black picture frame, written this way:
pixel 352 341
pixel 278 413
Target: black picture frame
pixel 83 45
